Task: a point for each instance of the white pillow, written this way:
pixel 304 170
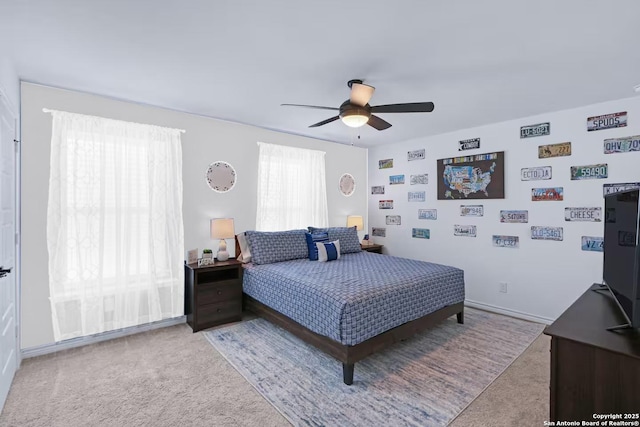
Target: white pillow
pixel 328 251
pixel 245 252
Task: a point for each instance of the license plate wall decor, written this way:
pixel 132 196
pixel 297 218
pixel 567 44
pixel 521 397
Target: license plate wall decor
pixel 599 171
pixel 427 214
pixel 616 188
pixel 514 216
pixel 394 220
pixel 531 131
pixel 583 214
pixel 506 242
pixel 379 232
pixel 554 150
pixel 479 176
pixel 622 145
pixel 420 233
pixel 378 189
pixel 415 155
pixel 464 230
pixel 396 179
pixel 553 194
pixel 385 164
pixel 471 210
pixel 546 233
pixel 419 179
pixel 593 244
pixel 537 173
pixel 385 204
pixel 469 144
pixel 417 196
pixel 607 121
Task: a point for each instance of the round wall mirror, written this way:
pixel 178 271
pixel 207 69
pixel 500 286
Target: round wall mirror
pixel 221 177
pixel 347 184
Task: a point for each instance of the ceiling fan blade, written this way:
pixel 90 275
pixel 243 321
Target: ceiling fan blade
pixel 361 94
pixel 317 107
pixel 411 107
pixel 324 122
pixel 377 123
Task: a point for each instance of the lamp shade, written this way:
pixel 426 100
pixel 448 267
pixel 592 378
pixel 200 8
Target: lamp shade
pixel 222 228
pixel 355 221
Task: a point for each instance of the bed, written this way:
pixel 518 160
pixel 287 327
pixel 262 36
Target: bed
pixel 354 306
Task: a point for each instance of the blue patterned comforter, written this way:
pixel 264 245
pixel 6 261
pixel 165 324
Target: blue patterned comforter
pixel 357 297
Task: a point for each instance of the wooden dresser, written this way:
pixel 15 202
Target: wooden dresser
pixel 593 371
pixel 213 294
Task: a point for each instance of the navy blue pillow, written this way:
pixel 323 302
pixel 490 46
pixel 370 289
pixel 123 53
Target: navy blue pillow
pixel 311 243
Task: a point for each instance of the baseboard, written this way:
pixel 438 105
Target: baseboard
pixel 508 312
pixel 41 350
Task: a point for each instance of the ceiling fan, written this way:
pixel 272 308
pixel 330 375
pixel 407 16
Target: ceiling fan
pixel 356 111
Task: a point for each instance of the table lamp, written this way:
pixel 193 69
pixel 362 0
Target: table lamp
pixel 222 228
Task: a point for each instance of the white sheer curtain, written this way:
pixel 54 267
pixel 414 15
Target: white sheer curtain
pixel 292 190
pixel 114 224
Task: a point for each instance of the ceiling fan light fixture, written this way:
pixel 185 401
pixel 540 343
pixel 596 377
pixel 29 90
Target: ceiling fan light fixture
pixel 355 120
pixel 354 116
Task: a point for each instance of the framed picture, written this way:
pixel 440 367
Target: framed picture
pixel 192 256
pixel 471 177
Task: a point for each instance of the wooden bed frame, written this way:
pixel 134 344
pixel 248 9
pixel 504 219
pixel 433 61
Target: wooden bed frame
pixel 350 354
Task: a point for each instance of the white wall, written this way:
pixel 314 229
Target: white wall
pixel 544 277
pixel 205 141
pixel 9 84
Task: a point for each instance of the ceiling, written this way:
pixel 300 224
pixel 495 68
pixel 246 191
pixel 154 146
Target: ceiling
pixel 238 60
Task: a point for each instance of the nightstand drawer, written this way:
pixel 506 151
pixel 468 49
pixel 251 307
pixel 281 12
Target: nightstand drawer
pixel 209 293
pixel 220 311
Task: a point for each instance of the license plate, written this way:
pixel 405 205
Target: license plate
pixel 514 216
pixel 417 196
pixel 622 145
pixel 385 204
pixel 378 189
pixel 535 174
pixel 415 155
pixel 626 238
pixel 379 232
pixel 464 230
pixel 554 150
pixel 419 179
pixel 593 244
pixel 506 242
pixel 600 171
pixel 396 179
pixel 535 130
pixel 393 220
pixel 616 188
pixel 583 214
pixel 471 210
pixel 420 233
pixel 385 164
pixel 427 214
pixel 469 144
pixel 553 194
pixel 546 233
pixel 607 121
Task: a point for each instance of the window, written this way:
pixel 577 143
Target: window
pixel 292 189
pixel 114 225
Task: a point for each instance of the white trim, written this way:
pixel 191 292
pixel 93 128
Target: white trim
pixel 508 312
pixel 41 350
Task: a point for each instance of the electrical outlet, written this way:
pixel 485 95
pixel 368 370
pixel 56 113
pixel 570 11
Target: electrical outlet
pixel 503 287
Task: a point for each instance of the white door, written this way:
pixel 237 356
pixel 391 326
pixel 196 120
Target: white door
pixel 8 331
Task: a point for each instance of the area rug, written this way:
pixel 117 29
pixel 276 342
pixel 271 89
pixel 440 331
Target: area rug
pixel 426 380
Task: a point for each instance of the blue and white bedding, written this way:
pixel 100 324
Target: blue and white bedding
pixel 357 297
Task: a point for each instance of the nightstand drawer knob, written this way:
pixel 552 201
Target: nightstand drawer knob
pixel 218 311
pixel 219 292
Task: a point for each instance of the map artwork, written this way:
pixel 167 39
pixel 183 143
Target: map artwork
pixel 622 145
pixel 471 177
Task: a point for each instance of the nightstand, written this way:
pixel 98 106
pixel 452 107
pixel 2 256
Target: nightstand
pixel 376 249
pixel 212 294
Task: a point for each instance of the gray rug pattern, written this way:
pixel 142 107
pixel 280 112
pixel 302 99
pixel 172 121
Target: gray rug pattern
pixel 424 381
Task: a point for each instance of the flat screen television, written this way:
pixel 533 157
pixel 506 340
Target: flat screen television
pixel 622 253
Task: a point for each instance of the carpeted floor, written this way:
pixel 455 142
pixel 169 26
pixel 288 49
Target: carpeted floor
pixel 424 381
pixel 172 377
